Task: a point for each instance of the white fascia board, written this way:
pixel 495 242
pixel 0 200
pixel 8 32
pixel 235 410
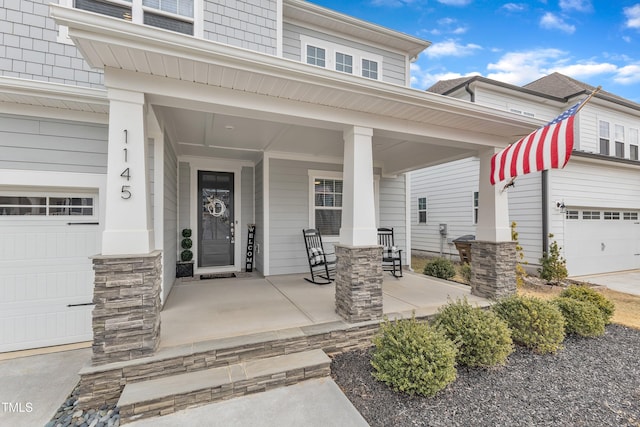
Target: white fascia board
pixel 56 91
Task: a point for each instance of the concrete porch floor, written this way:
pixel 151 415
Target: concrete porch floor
pixel 203 310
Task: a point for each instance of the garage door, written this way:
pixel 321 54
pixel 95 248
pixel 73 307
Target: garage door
pixel 601 241
pixel 46 276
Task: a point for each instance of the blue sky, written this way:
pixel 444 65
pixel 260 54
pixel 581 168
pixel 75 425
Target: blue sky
pixel 594 41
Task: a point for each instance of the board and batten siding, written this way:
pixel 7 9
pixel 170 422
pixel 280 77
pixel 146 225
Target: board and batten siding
pixel 249 24
pixel 259 216
pixel 30 48
pixel 170 208
pixel 29 143
pixel 393 64
pixel 393 210
pixel 289 213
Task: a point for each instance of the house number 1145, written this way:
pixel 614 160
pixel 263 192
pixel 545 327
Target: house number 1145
pixel 125 192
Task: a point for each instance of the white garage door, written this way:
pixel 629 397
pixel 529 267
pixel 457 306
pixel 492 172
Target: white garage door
pixel 601 241
pixel 46 276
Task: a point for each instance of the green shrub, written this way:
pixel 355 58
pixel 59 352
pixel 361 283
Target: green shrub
pixel 441 268
pixel 483 339
pixel 585 293
pixel 465 272
pixel 413 357
pixel 554 266
pixel 581 317
pixel 534 323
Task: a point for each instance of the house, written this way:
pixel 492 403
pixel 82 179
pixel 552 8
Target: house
pixel 591 207
pixel 123 123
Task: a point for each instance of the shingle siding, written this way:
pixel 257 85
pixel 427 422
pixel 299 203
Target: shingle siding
pixel 30 49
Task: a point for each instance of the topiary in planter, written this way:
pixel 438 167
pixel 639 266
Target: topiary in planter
pixel 585 293
pixel 413 357
pixel 483 338
pixel 441 268
pixel 581 317
pixel 534 323
pixel 186 244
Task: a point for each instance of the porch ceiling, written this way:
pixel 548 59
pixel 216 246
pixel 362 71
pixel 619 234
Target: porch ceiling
pixel 283 105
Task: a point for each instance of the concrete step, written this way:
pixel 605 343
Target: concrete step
pixel 166 395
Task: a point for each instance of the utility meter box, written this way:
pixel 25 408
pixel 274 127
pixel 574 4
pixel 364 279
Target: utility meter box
pixel 443 229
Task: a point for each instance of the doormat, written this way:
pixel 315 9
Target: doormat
pixel 217 276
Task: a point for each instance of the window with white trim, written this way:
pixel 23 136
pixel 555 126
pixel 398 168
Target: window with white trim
pixel 619 139
pixel 633 152
pixel 476 206
pixel 604 137
pixel 40 205
pixel 630 216
pixel 572 214
pixel 173 15
pixel 611 215
pixel 422 210
pixel 327 195
pixel 590 215
pixel 633 143
pixel 344 59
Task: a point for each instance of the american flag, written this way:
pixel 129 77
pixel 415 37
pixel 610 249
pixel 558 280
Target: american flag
pixel 546 148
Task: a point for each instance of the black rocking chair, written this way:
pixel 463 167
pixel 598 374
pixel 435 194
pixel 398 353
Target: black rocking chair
pixel 321 264
pixel 391 255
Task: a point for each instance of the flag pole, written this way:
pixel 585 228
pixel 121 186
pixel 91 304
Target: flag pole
pixel 588 98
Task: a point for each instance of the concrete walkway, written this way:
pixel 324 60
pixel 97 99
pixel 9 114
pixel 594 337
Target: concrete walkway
pixel 621 281
pixel 311 403
pixel 33 387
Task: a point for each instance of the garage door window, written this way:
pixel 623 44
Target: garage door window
pixel 572 214
pixel 590 215
pixel 612 215
pixel 630 216
pixel 46 206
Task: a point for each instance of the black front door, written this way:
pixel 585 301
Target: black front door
pixel 216 219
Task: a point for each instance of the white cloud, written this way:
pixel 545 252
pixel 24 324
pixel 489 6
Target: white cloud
pixel 553 22
pixel 455 2
pixel 423 79
pixel 451 48
pixel 633 16
pixel 514 7
pixel 391 3
pixel 629 74
pixel 579 5
pixel 585 70
pixel 523 67
pixel 449 26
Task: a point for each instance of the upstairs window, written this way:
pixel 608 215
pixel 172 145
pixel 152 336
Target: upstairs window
pixel 476 206
pixel 619 138
pixel 370 69
pixel 344 63
pixel 604 137
pixel 316 56
pixel 173 15
pixel 633 152
pixel 422 210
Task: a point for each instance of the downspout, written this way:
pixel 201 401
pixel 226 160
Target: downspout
pixel 545 211
pixel 472 94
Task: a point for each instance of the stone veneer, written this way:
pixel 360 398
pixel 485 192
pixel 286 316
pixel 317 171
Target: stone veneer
pixel 493 269
pixel 126 317
pixel 359 282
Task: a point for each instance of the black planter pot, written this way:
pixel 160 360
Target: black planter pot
pixel 184 269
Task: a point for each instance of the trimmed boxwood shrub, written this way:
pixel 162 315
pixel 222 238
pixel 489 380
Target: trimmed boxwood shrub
pixel 581 317
pixel 585 293
pixel 483 339
pixel 534 323
pixel 413 357
pixel 441 268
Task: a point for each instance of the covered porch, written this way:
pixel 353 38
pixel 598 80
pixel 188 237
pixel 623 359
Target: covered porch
pixel 198 311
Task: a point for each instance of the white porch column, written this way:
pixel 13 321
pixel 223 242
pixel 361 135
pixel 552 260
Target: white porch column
pixel 493 209
pixel 358 203
pixel 493 254
pixel 128 228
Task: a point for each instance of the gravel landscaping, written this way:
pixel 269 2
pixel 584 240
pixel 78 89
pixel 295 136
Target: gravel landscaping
pixel 591 382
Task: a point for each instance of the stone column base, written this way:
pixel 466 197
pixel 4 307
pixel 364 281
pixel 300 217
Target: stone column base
pixel 126 317
pixel 493 269
pixel 359 282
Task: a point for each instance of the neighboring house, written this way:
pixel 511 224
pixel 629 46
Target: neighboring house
pixel 591 207
pixel 122 123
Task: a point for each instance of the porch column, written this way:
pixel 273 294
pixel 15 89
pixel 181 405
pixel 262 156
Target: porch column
pixel 126 317
pixel 359 257
pixel 493 253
